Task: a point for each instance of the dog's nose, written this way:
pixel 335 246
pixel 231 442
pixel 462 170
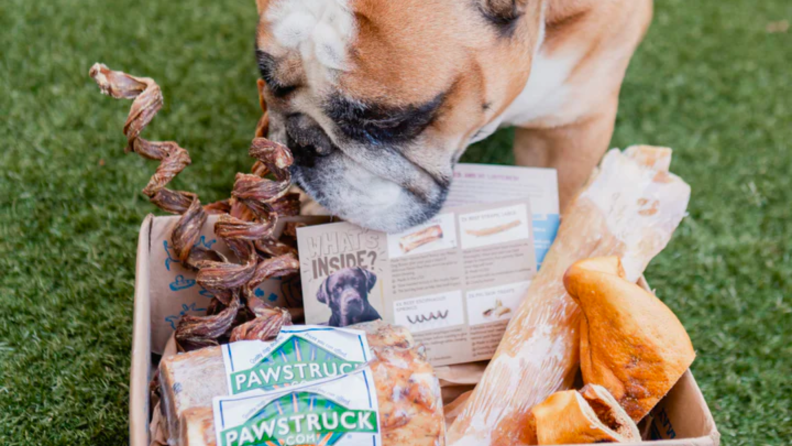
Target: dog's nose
pixel 306 139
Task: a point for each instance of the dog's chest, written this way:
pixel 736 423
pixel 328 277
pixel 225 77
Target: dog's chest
pixel 546 94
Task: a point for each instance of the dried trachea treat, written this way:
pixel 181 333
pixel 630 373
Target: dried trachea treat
pixel 246 223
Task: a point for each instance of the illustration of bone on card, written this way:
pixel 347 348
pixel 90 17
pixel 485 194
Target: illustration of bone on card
pixel 492 230
pixel 420 238
pixel 496 311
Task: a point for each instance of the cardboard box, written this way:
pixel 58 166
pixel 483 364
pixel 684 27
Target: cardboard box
pixel 682 418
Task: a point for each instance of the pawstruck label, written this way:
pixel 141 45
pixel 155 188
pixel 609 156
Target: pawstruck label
pixel 338 411
pixel 300 354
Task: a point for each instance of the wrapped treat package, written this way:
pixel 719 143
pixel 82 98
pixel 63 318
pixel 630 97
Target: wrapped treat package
pixel 629 209
pixel 408 391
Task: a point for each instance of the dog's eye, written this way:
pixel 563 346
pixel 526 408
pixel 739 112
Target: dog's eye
pixel 377 124
pixel 268 67
pixel 280 91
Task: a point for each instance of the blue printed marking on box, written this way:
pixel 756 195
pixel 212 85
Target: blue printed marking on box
pixel 545 229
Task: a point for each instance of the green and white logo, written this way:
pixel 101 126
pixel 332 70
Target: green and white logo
pixel 295 361
pixel 340 411
pixel 298 355
pixel 300 418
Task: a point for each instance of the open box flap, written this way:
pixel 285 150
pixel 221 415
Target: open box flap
pixel 140 373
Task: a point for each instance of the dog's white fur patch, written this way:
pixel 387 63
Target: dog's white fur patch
pixel 546 93
pixel 320 30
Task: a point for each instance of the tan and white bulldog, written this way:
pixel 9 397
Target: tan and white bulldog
pixel 378 99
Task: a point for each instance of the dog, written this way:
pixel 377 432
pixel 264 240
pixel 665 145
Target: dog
pixel 346 293
pixel 378 99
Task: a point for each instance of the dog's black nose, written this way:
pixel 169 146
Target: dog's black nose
pixel 306 139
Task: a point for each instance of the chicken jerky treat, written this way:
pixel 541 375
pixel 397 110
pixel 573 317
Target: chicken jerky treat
pixel 406 385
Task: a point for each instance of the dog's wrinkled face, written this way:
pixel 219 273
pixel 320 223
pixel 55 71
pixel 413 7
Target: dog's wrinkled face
pixel 379 98
pixel 346 293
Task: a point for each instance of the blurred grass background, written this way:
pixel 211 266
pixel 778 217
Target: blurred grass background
pixel 711 80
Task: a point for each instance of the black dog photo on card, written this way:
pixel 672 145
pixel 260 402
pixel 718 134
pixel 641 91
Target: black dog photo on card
pixel 346 293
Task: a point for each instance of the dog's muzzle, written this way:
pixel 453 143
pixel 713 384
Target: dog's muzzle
pixel 306 139
pixel 372 186
pixel 351 304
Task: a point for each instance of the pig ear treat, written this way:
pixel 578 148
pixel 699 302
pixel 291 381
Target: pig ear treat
pixel 246 223
pixel 630 342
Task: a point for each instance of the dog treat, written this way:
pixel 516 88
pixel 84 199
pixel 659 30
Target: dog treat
pixel 265 326
pixel 629 209
pixel 246 224
pixel 407 389
pixel 497 311
pixel 493 230
pixel 591 415
pixel 420 238
pixel 197 427
pixel 630 342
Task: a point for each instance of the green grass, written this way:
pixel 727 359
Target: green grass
pixel 709 81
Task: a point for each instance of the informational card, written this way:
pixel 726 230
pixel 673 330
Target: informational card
pixel 454 281
pixel 487 183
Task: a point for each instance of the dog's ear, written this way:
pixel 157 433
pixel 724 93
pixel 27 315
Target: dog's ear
pixel 260 5
pixel 323 294
pixel 371 278
pixel 504 12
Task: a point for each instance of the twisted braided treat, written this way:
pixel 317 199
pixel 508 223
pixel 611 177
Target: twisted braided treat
pixel 246 222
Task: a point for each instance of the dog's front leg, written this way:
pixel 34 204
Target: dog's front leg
pixel 573 149
pixel 573 135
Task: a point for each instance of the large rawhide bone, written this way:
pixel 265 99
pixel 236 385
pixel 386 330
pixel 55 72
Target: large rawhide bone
pixel 246 222
pixel 408 391
pixel 629 209
pixel 630 342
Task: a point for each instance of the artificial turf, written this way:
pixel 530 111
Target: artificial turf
pixel 711 80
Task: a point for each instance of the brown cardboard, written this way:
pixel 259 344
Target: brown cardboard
pixel 682 418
